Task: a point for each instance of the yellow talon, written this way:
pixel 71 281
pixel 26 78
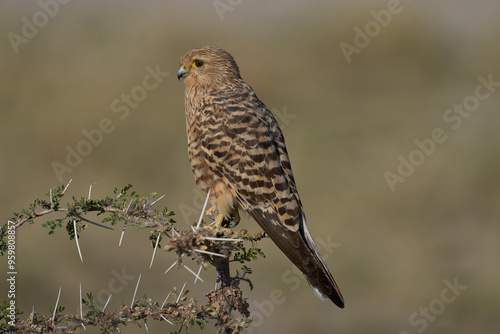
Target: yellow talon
pixel 218 221
pixel 211 213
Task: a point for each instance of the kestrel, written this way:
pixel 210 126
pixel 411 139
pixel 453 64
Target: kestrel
pixel 238 153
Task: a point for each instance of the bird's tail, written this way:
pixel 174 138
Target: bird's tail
pixel 319 277
pixel 300 248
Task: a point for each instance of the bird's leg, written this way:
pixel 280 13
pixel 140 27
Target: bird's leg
pixel 235 219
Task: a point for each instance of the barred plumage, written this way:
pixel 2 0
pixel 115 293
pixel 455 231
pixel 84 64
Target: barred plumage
pixel 237 151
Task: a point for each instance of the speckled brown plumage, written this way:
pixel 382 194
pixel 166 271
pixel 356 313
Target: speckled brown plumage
pixel 237 151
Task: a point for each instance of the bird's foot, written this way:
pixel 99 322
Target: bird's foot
pixel 220 220
pixel 213 213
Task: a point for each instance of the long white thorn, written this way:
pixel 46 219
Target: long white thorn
pixel 204 207
pixel 199 271
pixel 81 306
pixel 165 301
pixel 173 264
pixel 192 272
pixel 123 232
pixel 57 304
pixel 76 240
pixel 109 298
pixel 62 319
pixel 135 292
pixel 129 204
pixel 170 322
pixel 180 293
pixel 154 251
pixel 146 326
pixel 210 253
pixel 223 239
pixel 66 188
pixel 157 200
pixel 94 223
pixel 90 190
pixel 51 199
pixel 33 313
pixel 125 224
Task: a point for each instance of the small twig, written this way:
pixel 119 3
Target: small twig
pixel 71 212
pixel 36 215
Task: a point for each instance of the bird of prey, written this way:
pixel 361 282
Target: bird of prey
pixel 238 154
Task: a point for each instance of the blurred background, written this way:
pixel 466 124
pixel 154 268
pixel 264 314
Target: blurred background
pixel 352 95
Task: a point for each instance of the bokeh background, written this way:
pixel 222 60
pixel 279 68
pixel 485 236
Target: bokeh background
pixel 346 124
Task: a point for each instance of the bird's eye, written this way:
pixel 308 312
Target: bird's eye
pixel 198 63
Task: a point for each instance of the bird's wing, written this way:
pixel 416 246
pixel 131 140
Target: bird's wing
pixel 243 145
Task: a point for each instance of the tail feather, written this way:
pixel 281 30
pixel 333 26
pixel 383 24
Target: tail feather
pixel 321 282
pixel 300 248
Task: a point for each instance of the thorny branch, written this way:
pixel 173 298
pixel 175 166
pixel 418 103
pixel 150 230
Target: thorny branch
pixel 216 246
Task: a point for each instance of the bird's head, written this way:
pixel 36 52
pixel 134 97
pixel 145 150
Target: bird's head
pixel 207 66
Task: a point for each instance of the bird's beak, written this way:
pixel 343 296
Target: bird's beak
pixel 181 73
